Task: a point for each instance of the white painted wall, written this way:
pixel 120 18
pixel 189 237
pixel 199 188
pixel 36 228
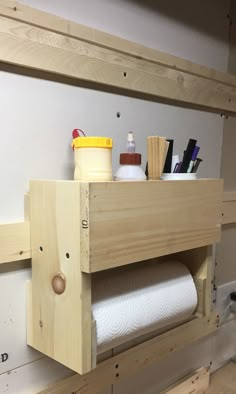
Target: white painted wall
pixel 36 120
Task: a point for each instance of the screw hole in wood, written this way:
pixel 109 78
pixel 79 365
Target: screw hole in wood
pixel 41 248
pixel 67 255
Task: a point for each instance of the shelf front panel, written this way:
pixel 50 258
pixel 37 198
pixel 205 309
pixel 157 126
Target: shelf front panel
pixel 126 222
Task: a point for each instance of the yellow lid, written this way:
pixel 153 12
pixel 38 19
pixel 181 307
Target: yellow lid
pixel 92 142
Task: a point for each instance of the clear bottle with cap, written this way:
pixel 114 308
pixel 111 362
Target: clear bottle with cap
pixel 130 163
pixel 130 142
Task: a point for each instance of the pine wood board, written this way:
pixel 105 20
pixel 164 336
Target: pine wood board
pixel 229 207
pixel 131 361
pixel 223 381
pixel 24 43
pixel 61 325
pixel 229 212
pixel 229 196
pixel 199 262
pixel 148 219
pixel 14 10
pixel 14 242
pixel 196 383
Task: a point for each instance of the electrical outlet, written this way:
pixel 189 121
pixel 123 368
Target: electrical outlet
pixel 223 302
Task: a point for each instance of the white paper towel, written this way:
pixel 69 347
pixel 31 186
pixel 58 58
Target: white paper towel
pixel 137 299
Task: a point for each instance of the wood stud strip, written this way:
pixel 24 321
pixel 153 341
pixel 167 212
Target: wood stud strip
pixel 15 242
pixel 131 361
pixel 17 11
pixel 196 383
pixel 36 40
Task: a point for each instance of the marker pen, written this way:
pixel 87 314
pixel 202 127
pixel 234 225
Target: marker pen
pixel 193 158
pixel 197 163
pixel 175 160
pixel 188 155
pixel 177 169
pixel 176 166
pixel 168 161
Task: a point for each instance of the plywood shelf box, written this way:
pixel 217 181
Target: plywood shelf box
pixel 81 228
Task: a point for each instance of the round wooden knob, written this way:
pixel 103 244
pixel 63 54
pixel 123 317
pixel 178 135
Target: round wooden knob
pixel 59 283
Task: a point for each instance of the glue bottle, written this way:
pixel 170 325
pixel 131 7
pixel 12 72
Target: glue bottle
pixel 93 157
pixel 130 163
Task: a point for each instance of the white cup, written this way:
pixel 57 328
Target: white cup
pixel 179 176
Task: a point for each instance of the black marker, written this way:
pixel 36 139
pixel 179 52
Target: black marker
pixel 196 165
pixel 188 155
pixel 168 162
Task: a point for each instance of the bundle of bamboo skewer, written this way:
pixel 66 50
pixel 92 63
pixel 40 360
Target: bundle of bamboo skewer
pixel 157 148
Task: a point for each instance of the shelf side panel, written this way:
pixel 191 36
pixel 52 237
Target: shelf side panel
pixel 61 323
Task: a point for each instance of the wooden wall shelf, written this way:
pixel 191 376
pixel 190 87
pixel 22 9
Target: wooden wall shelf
pixel 124 222
pixel 79 228
pixel 71 222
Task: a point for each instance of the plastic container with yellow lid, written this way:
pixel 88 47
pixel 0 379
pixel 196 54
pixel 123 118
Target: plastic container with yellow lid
pixel 93 158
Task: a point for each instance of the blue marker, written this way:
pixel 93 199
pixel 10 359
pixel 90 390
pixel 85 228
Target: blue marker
pixel 193 158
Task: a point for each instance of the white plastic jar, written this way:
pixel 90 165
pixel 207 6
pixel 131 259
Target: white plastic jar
pixel 93 158
pixel 130 168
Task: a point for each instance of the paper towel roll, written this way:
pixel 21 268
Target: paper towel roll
pixel 140 298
